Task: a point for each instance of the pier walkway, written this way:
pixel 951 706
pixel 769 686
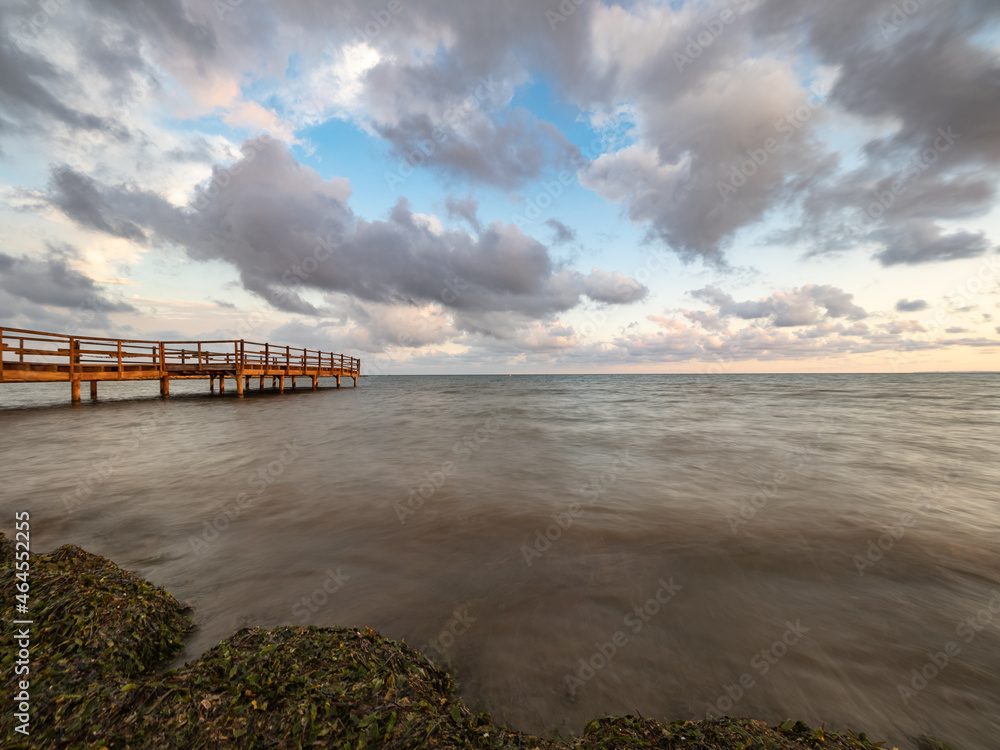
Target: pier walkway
pixel 38 357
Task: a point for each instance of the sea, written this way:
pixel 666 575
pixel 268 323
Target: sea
pixel 824 548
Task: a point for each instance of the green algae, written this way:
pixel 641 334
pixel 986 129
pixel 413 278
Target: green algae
pixel 101 634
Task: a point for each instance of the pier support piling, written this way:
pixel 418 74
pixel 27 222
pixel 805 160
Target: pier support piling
pixel 222 384
pixel 338 381
pixel 211 383
pixel 315 379
pixel 165 387
pixel 93 390
pixel 75 391
pixel 239 386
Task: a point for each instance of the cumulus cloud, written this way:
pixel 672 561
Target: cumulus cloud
pixel 801 306
pixel 723 136
pixel 37 291
pixel 905 305
pixel 288 231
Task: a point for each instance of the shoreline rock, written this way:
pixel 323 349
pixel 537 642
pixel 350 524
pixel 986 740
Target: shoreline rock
pixel 101 634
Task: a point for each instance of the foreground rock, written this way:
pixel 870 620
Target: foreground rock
pixel 100 633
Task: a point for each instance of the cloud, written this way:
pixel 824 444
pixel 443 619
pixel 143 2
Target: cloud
pixel 613 288
pixel 801 306
pixel 466 208
pixel 563 233
pixel 924 242
pixel 78 197
pixel 290 232
pixel 905 305
pixel 51 282
pixel 440 86
pixel 30 84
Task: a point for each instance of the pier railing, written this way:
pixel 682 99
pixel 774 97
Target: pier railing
pixel 36 349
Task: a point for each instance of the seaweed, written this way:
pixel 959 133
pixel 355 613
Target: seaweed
pixel 101 634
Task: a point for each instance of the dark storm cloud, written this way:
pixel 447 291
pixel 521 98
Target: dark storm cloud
pixel 905 305
pixel 285 229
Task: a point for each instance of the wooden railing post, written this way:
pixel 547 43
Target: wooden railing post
pixel 121 367
pixel 199 355
pixel 1 353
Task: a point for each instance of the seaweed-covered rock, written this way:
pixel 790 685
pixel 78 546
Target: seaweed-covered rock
pixel 626 733
pixel 295 687
pixel 100 633
pixel 94 624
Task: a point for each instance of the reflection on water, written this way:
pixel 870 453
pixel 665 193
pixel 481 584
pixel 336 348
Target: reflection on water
pixel 772 546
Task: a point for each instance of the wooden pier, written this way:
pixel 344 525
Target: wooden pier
pixel 38 357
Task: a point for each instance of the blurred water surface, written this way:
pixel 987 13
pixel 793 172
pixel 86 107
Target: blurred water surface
pixel 822 535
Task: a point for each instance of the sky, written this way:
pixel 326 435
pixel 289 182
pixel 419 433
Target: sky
pixel 507 186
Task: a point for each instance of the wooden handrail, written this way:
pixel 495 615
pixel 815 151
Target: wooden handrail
pixel 81 350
